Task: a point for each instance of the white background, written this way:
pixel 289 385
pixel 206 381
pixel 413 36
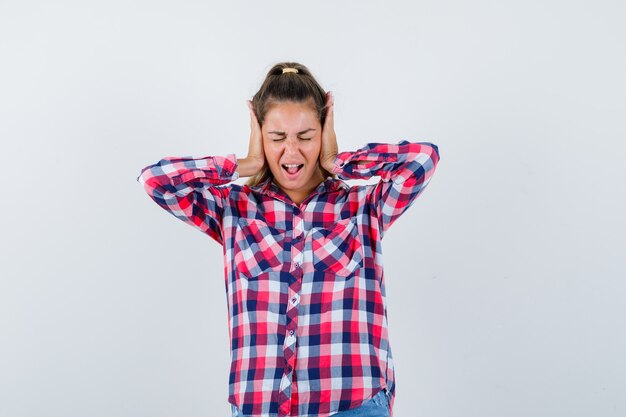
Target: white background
pixel 505 279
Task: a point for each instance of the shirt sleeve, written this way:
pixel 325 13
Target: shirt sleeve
pixel 189 189
pixel 405 169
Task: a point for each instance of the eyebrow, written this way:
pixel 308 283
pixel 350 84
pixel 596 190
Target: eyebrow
pixel 299 133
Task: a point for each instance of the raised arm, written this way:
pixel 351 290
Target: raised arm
pixel 189 188
pixel 405 169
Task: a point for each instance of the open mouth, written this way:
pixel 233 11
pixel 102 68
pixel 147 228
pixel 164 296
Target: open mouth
pixel 292 169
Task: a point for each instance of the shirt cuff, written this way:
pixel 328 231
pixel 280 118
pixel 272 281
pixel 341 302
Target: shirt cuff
pixel 214 169
pixel 362 164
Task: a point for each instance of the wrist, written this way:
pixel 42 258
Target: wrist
pixel 248 167
pixel 329 164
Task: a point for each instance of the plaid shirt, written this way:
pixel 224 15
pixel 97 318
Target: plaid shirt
pixel 305 292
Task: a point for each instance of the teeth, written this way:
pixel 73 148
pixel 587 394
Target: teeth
pixel 292 165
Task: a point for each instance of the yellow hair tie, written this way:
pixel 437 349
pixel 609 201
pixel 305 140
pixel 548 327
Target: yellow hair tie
pixel 295 70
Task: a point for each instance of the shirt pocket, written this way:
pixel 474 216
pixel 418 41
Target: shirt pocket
pixel 258 248
pixel 338 250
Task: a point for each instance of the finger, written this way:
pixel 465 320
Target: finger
pixel 330 111
pixel 253 120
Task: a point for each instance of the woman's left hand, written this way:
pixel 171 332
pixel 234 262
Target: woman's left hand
pixel 329 138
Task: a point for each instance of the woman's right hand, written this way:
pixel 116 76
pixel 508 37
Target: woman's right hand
pixel 254 162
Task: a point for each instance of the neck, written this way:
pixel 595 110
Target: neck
pixel 298 196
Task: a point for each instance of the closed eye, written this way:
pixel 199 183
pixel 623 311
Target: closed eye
pixel 282 139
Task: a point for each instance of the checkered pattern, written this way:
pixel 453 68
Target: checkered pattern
pixel 307 312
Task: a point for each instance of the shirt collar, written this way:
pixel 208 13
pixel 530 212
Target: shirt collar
pixel 270 188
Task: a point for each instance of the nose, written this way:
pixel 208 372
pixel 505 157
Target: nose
pixel 291 146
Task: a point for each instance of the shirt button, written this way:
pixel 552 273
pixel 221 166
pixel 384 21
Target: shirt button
pixel 291 332
pixel 294 300
pixel 299 237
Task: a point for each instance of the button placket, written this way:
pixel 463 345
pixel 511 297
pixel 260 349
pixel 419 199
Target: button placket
pixel 297 243
pixel 295 299
pixel 289 345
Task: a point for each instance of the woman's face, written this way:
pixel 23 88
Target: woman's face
pixel 292 140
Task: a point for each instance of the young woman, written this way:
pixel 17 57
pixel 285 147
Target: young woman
pixel 302 251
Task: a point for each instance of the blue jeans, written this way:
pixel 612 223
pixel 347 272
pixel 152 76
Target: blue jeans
pixel 377 406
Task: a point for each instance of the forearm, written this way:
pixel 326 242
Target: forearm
pixel 404 169
pixel 178 174
pixel 189 189
pixel 389 161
